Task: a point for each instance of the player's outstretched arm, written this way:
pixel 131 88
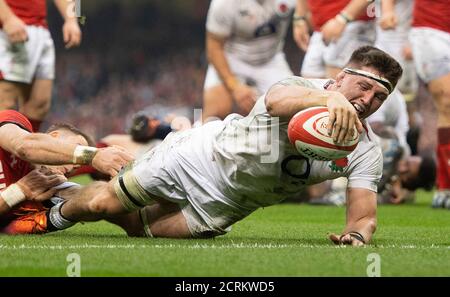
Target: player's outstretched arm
pixel 71 29
pixel 37 185
pixel 361 218
pixel 39 148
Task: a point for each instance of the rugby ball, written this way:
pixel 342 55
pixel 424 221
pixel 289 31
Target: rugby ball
pixel 307 131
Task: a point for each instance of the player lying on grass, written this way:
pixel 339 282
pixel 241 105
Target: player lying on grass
pixel 199 182
pixel 24 184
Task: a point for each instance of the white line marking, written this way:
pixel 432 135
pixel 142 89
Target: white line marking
pixel 204 246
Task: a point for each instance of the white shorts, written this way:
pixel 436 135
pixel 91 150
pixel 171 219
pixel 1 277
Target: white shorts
pixel 262 77
pixel 24 62
pixel 336 54
pixel 431 50
pixel 175 172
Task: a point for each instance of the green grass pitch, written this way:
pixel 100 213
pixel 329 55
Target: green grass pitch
pixel 282 240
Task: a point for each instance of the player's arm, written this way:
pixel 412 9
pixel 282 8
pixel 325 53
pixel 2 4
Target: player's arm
pixel 39 148
pixel 332 30
pixel 215 50
pixel 71 29
pixel 219 27
pixel 286 98
pixel 14 27
pixel 300 24
pixel 361 218
pixel 388 17
pixel 37 185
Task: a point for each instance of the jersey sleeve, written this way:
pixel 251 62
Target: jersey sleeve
pixel 220 18
pixel 14 117
pixel 367 169
pixel 296 81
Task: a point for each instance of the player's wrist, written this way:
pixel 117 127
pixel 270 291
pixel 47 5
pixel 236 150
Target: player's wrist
pixel 71 20
pixel 232 83
pixel 13 195
pixel 343 18
pixel 84 155
pixel 298 20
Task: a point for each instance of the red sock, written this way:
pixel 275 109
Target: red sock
pixel 443 159
pixel 36 124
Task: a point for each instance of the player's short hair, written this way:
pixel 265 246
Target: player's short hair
pixel 139 130
pixel 369 56
pixel 73 129
pixel 426 177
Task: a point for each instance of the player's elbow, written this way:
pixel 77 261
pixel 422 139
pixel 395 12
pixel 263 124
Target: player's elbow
pixel 25 148
pixel 28 145
pixel 272 102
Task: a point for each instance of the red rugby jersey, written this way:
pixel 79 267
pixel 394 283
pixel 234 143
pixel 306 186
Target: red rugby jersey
pixel 324 10
pixel 433 14
pixel 12 168
pixel 32 12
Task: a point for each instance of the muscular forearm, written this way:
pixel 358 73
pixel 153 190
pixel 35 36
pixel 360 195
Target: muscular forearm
pixel 286 101
pixel 66 9
pixel 42 148
pixel 355 8
pixel 387 6
pixel 301 9
pixel 5 11
pixel 216 56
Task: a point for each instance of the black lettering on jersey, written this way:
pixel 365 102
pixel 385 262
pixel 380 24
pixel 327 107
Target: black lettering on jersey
pixel 244 13
pixel 296 158
pixel 265 29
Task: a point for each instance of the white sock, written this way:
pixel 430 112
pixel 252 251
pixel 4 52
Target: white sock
pixel 56 218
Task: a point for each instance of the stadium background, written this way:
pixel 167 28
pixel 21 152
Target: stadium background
pixel 139 54
pixel 134 55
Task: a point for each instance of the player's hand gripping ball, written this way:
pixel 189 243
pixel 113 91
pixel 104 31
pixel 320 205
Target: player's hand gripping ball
pixel 307 131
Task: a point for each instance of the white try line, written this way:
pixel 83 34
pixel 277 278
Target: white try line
pixel 206 246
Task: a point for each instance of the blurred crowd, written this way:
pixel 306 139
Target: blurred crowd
pixel 120 78
pixel 89 82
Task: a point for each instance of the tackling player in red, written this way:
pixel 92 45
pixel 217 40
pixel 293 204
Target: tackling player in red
pixel 23 185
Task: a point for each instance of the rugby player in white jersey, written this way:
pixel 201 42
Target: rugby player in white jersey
pixel 199 182
pixel 244 46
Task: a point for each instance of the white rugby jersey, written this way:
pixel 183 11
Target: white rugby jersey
pixel 258 166
pixel 255 28
pixel 394 113
pixel 227 169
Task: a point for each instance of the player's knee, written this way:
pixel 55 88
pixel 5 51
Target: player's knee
pixel 39 105
pixel 8 98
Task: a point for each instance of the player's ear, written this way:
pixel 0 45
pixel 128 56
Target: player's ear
pixel 340 77
pixel 54 133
